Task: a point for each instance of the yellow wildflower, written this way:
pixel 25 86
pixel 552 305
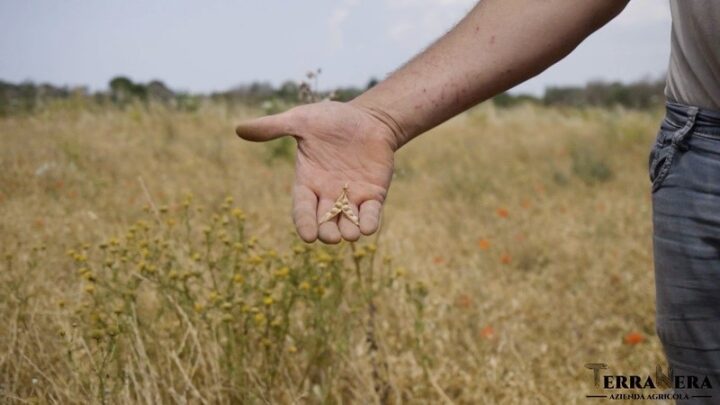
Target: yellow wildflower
pixel 282 272
pixel 255 259
pixel 213 296
pixel 238 279
pixel 260 319
pixel 323 257
pixel 238 213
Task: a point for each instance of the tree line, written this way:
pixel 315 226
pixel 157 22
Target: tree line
pixel 122 91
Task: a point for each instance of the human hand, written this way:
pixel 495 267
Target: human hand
pixel 337 144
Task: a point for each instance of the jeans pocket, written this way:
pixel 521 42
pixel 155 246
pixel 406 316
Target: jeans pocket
pixel 672 139
pixel 660 167
pixel 651 161
pixel 660 158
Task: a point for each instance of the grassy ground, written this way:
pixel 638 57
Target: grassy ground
pixel 515 248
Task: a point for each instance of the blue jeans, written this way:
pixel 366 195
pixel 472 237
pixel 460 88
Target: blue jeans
pixel 684 166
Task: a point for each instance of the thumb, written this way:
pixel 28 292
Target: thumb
pixel 265 128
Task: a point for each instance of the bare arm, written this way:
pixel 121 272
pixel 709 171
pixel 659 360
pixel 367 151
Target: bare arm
pixel 500 43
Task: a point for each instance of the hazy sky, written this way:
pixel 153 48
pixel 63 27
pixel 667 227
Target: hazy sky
pixel 215 44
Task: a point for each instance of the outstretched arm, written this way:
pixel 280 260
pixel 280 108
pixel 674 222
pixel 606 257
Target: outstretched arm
pixel 499 44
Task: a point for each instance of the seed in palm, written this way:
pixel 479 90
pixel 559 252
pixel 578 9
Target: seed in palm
pixel 341 205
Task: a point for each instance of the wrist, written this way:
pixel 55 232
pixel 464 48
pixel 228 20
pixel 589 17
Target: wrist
pixel 397 133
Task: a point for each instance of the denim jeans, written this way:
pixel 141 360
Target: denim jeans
pixel 684 166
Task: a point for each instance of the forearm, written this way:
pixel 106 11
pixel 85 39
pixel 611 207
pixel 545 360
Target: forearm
pixel 499 44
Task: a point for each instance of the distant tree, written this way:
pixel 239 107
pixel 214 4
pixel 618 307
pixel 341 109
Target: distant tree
pixel 187 102
pixel 157 91
pixel 123 90
pixel 564 96
pixel 508 100
pixel 288 91
pixel 260 90
pixel 346 93
pixel 642 94
pixel 372 83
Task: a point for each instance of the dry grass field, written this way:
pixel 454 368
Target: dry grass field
pixel 148 256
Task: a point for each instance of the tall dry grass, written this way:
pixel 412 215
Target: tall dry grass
pixel 515 249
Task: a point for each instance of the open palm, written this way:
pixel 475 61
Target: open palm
pixel 338 144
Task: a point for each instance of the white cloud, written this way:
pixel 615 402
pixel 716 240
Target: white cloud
pixel 431 18
pixel 421 21
pixel 400 31
pixel 336 21
pixel 463 3
pixel 428 3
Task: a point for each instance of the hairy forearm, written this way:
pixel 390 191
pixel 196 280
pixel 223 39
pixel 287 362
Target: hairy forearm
pixel 499 44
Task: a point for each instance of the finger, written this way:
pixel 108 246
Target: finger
pixel 304 213
pixel 328 232
pixel 349 231
pixel 265 128
pixel 370 212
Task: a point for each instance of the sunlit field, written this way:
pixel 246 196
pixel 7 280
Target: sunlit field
pixel 148 256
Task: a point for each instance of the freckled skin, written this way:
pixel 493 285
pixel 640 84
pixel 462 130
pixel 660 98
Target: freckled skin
pixel 355 142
